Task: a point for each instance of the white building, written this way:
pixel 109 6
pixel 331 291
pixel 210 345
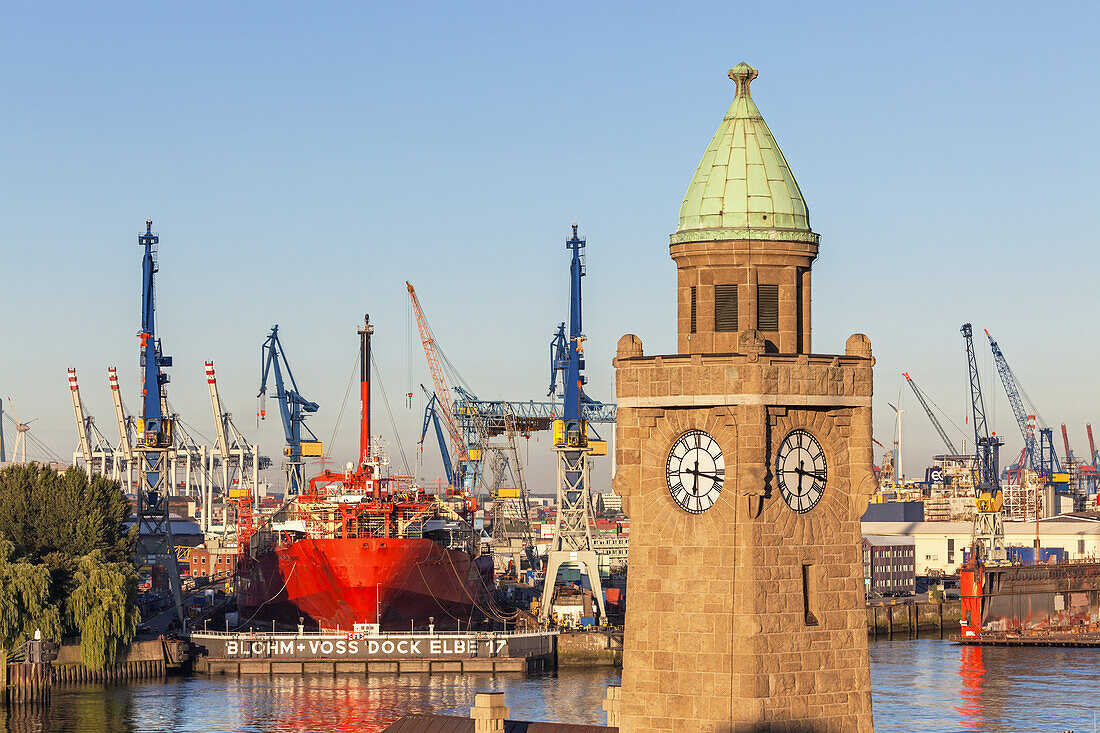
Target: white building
pixel 940 545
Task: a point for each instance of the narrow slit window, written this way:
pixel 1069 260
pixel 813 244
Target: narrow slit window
pixel 767 304
pixel 809 595
pixel 725 308
pixel 693 309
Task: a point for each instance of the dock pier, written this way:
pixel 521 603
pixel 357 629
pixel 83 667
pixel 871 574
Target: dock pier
pixel 267 653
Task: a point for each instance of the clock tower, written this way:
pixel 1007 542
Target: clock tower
pixel 744 464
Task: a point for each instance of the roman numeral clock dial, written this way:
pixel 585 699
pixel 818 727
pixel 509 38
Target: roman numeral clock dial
pixel 695 471
pixel 801 471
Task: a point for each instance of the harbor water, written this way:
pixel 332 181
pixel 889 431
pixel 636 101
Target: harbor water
pixel 919 685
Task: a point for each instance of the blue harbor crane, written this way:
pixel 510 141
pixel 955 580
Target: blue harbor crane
pixel 431 417
pixel 987 538
pixel 931 415
pixel 572 542
pixel 293 409
pixel 1030 457
pixel 155 546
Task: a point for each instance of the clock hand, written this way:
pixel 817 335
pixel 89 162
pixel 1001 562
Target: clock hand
pixel 711 476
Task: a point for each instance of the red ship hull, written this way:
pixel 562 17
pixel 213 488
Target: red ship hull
pixel 341 582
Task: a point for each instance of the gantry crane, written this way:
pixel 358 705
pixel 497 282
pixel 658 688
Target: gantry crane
pixel 100 457
pixel 931 415
pixel 241 463
pixel 155 435
pixel 293 409
pixel 572 542
pixel 987 537
pixel 125 424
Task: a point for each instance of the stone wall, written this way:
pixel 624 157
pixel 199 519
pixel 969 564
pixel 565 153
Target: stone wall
pixel 589 649
pixel 748 614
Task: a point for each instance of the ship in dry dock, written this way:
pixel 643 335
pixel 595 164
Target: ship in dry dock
pixel 365 547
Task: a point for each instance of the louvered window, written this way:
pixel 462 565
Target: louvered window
pixel 693 309
pixel 725 308
pixel 767 304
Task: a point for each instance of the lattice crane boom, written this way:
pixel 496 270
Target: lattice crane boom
pixel 1092 446
pixel 439 379
pixel 1012 390
pixel 1065 441
pixel 931 415
pixel 987 471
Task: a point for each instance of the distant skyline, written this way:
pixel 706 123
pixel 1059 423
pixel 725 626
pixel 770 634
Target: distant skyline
pixel 302 161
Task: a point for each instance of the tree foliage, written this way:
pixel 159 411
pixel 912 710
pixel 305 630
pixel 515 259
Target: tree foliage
pixel 103 608
pixel 25 602
pixel 65 561
pixel 43 511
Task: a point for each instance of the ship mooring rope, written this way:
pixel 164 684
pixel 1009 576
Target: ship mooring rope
pixel 269 600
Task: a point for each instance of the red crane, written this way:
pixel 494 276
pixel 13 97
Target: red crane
pixel 442 391
pixel 1092 445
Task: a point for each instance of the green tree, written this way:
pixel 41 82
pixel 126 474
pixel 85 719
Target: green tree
pixel 65 560
pixel 25 603
pixel 43 511
pixel 102 608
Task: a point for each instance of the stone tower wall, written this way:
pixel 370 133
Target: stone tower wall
pixel 717 634
pixel 747 264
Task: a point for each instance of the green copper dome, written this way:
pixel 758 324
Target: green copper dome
pixel 743 187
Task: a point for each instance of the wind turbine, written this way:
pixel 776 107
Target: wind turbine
pixel 21 430
pixel 898 412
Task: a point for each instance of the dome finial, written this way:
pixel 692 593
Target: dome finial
pixel 742 74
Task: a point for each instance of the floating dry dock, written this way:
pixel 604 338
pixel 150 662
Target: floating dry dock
pixel 220 653
pixel 1091 639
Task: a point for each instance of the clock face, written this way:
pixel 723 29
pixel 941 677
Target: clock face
pixel 801 471
pixel 695 471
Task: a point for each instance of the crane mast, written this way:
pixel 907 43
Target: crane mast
pixel 931 415
pixel 987 537
pixel 155 545
pixel 572 542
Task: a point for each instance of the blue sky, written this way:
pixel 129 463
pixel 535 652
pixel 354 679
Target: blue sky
pixel 302 160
